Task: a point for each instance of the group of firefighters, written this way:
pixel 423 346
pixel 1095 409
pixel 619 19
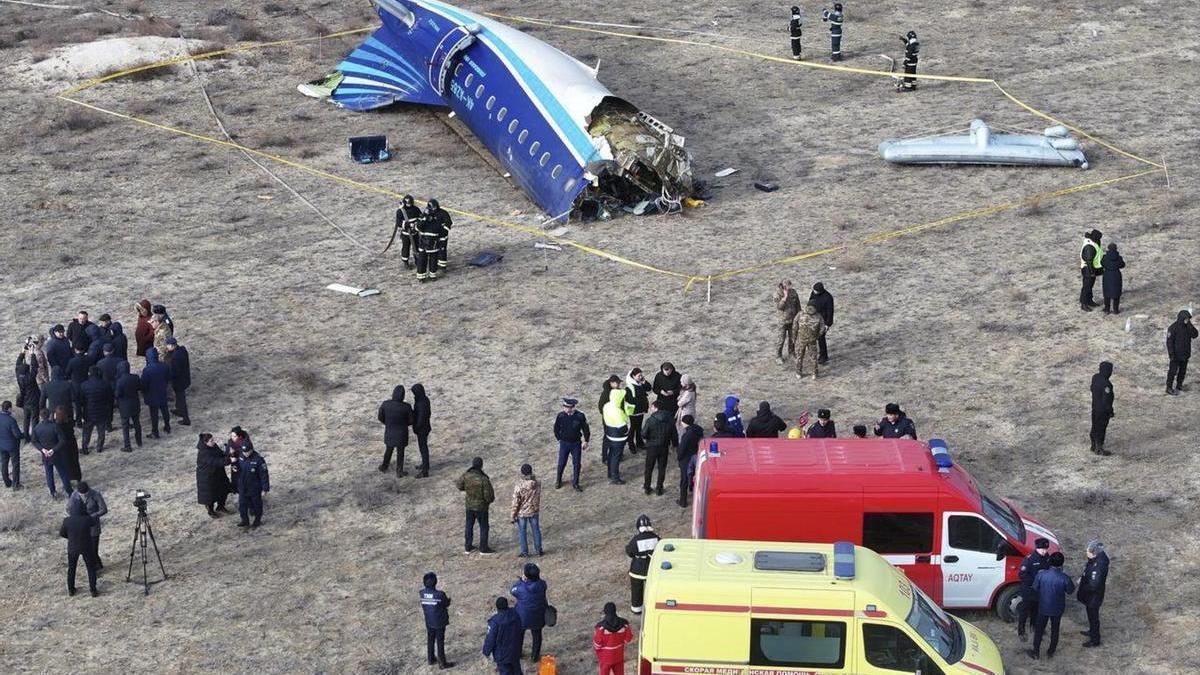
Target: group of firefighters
pixel 424 236
pixel 835 18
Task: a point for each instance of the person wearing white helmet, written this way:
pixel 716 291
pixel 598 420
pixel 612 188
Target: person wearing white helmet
pixel 639 549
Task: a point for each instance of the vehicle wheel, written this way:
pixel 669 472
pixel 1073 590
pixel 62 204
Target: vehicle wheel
pixel 1007 601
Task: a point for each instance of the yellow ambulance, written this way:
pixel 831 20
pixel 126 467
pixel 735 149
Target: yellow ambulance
pixel 755 608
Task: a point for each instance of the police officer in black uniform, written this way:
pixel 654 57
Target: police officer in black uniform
pixel 435 212
pixel 253 481
pixel 639 549
pixel 911 48
pixel 1091 589
pixel 834 19
pixel 429 238
pixel 795 26
pixel 407 218
pixel 1032 564
pixel 435 604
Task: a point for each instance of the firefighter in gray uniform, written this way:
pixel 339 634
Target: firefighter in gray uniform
pixel 639 549
pixel 834 19
pixel 795 26
pixel 911 48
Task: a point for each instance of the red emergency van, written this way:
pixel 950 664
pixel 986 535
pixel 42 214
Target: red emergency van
pixel 906 500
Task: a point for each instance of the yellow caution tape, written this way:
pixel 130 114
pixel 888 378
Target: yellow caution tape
pixel 691 279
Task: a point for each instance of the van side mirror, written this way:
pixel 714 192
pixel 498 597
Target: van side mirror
pixel 1003 550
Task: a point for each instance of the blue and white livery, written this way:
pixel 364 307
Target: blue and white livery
pixel 559 132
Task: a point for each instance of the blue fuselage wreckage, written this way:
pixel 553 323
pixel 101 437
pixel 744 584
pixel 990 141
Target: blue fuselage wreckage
pixel 562 135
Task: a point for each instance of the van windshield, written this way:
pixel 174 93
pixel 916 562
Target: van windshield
pixel 1002 516
pixel 936 627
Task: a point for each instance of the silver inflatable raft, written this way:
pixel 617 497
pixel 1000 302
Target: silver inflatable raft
pixel 1055 147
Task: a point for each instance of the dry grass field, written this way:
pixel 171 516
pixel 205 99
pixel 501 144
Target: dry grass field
pixel 972 327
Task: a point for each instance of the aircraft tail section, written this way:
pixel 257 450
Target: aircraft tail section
pixel 378 74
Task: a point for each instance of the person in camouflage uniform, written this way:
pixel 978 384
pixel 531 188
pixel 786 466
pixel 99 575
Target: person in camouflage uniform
pixel 808 327
pixel 787 302
pixel 479 495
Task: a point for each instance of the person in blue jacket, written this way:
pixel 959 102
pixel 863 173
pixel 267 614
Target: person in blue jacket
pixel 895 424
pixel 155 376
pixel 504 638
pixel 435 605
pixel 530 592
pixel 58 349
pixel 733 416
pixel 180 375
pixel 253 482
pixel 1052 587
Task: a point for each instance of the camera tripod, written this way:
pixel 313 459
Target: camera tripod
pixel 141 530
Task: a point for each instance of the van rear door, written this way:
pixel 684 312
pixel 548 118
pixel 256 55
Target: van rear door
pixel 970 571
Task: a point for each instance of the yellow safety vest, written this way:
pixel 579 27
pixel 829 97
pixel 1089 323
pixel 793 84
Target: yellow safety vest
pixel 1096 259
pixel 617 411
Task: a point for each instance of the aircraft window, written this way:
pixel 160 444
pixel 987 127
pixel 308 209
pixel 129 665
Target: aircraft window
pixel 512 126
pixel 556 172
pixel 502 114
pixel 479 91
pixel 545 159
pixel 491 102
pixel 534 148
pixel 458 70
pixel 523 135
pixel 470 78
pixel 567 187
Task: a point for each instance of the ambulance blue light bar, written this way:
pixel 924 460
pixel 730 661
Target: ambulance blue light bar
pixel 843 560
pixel 941 454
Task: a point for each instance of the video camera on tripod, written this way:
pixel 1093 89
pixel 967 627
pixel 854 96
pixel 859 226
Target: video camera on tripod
pixel 142 531
pixel 140 497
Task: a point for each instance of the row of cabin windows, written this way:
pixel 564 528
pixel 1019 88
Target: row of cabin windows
pixel 512 128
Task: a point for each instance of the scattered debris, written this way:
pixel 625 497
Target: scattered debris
pixel 265 198
pixel 559 232
pixel 369 149
pixel 693 203
pixel 552 247
pixel 485 258
pixel 726 172
pixel 360 292
pixel 1053 147
pixel 766 185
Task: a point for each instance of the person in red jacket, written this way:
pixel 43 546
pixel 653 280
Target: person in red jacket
pixel 609 640
pixel 143 335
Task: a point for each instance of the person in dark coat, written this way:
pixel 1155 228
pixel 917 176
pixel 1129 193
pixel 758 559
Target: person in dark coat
pixel 110 370
pixel 1091 265
pixel 721 427
pixel 97 408
pixel 77 332
pixel 613 382
pixel 824 427
pixel 1091 589
pixel 94 506
pixel 1102 406
pixel 1179 350
pixel 504 639
pixel 212 486
pixel 143 334
pixel 530 592
pixel 666 386
pixel 796 30
pixel 895 424
pixel 422 414
pixel 49 444
pixel 239 440
pixel 29 397
pixel 823 301
pixel 101 335
pixel 58 348
pixel 1112 264
pixel 765 423
pixel 58 391
pixel 660 435
pixel 637 392
pixel 1033 563
pixel 253 483
pixel 435 606
pixel 10 446
pixel 119 342
pixel 155 376
pixel 77 373
pixel 639 549
pixel 77 530
pixel 179 372
pixel 396 417
pixel 127 389
pixel 572 432
pixel 689 447
pixel 70 446
pixel 1052 587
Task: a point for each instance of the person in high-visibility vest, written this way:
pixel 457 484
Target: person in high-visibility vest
pixel 616 432
pixel 1091 258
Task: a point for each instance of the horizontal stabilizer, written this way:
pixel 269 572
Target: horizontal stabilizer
pixel 376 74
